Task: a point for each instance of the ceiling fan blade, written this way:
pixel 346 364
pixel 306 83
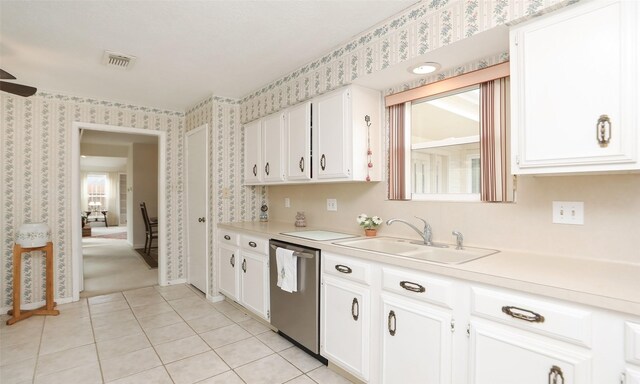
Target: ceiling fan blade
pixel 17 89
pixel 4 75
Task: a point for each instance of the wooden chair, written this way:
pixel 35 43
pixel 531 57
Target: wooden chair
pixel 151 227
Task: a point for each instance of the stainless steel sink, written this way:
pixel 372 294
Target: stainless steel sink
pixel 407 248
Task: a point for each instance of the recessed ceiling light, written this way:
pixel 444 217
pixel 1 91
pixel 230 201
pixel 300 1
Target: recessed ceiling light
pixel 424 68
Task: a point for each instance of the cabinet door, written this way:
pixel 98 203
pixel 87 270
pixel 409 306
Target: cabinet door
pixel 503 356
pixel 416 343
pixel 345 325
pixel 253 152
pixel 228 262
pixel 632 376
pixel 332 123
pixel 254 282
pixel 273 149
pixel 298 130
pixel 569 69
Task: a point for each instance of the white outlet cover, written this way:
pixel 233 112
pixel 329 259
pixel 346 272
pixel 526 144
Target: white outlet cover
pixel 332 205
pixel 287 202
pixel 568 212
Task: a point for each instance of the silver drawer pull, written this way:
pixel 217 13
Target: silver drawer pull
pixel 227 237
pixel 603 130
pixel 253 244
pixel 343 268
pixel 355 309
pixel 232 260
pixel 555 373
pixel 413 287
pixel 523 314
pixel 390 318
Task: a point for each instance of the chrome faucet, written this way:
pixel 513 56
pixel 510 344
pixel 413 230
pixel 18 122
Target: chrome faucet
pixel 426 232
pixel 459 239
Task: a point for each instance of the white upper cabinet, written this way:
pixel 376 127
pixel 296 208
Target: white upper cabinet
pixel 333 135
pixel 575 79
pixel 298 128
pixel 343 137
pixel 253 152
pixel 273 148
pixel 344 127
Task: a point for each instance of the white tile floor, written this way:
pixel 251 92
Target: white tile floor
pixel 152 335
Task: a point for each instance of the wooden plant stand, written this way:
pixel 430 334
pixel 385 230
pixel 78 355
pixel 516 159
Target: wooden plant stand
pixel 49 308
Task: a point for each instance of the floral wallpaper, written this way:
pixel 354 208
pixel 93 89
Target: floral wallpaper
pixel 35 133
pixel 229 199
pixel 420 29
pixel 35 153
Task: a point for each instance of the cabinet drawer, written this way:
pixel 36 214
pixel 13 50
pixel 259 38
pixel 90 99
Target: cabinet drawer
pixel 346 268
pixel 632 341
pixel 255 244
pixel 228 237
pixel 559 320
pixel 418 286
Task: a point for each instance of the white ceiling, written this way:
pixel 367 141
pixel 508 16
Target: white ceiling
pixel 186 50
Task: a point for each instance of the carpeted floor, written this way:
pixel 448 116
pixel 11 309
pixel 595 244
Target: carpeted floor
pixel 99 230
pixel 110 265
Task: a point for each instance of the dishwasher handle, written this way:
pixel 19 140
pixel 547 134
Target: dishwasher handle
pixel 304 255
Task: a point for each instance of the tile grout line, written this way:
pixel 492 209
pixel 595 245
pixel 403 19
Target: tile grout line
pixel 95 342
pixel 35 367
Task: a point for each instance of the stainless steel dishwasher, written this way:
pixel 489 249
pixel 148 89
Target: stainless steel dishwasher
pixel 296 315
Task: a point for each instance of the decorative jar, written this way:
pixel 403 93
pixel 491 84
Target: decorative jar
pixel 301 220
pixel 33 235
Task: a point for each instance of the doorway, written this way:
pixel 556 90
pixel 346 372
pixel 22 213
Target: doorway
pixel 109 261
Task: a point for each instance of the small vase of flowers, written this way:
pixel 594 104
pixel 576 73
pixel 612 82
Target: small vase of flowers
pixel 369 223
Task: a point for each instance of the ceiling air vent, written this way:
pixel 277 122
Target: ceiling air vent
pixel 118 60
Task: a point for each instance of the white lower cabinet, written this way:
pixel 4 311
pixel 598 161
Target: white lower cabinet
pixel 416 342
pixel 228 277
pixel 243 271
pixel 255 282
pixel 632 376
pixel 500 355
pixel 345 325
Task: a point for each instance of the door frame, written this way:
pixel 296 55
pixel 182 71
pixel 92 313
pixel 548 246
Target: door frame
pixel 204 127
pixel 76 225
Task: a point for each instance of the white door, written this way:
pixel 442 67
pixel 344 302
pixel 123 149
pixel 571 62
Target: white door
pixel 560 91
pixel 416 343
pixel 254 274
pixel 253 152
pixel 197 212
pixel 299 142
pixel 332 116
pixel 273 149
pixel 500 355
pixel 345 325
pixel 229 260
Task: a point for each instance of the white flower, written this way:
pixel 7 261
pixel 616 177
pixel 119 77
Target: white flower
pixel 368 222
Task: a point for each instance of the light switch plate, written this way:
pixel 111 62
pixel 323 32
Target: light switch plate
pixel 287 202
pixel 568 212
pixel 332 205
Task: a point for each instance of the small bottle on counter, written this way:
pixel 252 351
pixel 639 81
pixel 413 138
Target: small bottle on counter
pixel 301 221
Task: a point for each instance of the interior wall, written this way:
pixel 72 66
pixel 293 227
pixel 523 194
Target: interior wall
pixel 418 30
pixel 229 199
pixel 144 188
pixel 611 207
pixel 35 153
pixel 105 150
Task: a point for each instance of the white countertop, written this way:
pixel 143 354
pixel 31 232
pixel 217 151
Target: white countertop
pixel 608 285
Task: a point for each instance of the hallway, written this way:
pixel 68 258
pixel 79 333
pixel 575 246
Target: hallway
pixel 110 265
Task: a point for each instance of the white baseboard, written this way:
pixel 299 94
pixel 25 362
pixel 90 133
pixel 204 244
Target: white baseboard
pixel 39 304
pixel 177 281
pixel 215 298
